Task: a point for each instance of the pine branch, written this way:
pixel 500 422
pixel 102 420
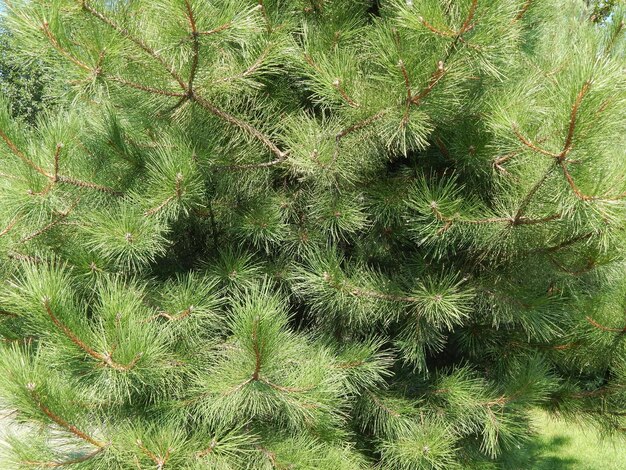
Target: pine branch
pixel 597 325
pixel 567 147
pixel 195 45
pixel 60 421
pixel 158 208
pixel 360 125
pixel 467 25
pixel 246 127
pixel 268 24
pixel 448 33
pixel 560 158
pixel 103 358
pixel 55 178
pixel 354 128
pixel 187 89
pixel 531 145
pixel 618 31
pixel 599 392
pixel 158 460
pixel 57 154
pixel 22 257
pixel 137 41
pixel 219 29
pixel 208 450
pixel 252 68
pixel 384 407
pixel 591 264
pixel 515 220
pixel 345 286
pixel 586 197
pixel 436 76
pixel 19 154
pixel 522 11
pixel 257 352
pixel 148 89
pixel 10 226
pixel 88 185
pixel 177 317
pixel 528 198
pixel 65 463
pixel 251 166
pixel 567 243
pixel 55 43
pixel 52 224
pixel 337 86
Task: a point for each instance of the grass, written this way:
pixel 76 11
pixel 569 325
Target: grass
pixel 563 446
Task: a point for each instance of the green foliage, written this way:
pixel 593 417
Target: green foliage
pixel 315 234
pixel 24 85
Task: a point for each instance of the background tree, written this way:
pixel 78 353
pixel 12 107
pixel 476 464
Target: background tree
pixel 602 10
pixel 23 85
pixel 312 234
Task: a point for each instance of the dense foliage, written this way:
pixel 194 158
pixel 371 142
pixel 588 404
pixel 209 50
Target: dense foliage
pixel 317 234
pixel 23 85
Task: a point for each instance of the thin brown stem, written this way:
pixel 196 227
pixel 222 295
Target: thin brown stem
pixel 215 30
pixel 449 221
pixel 280 388
pixel 379 402
pixel 597 325
pixel 88 185
pixel 195 45
pixel 599 392
pixel 148 89
pixel 435 78
pixel 10 226
pixel 257 350
pixel 586 197
pixel 246 127
pixel 177 317
pixel 57 46
pixel 214 233
pixel 137 41
pixel 158 208
pixel 250 166
pixel 337 86
pixel 435 30
pixel 531 145
pixel 266 18
pixel 52 224
pixel 360 125
pixel 19 154
pixel 467 25
pixel 591 264
pixel 569 242
pixel 573 118
pixel 65 463
pixel 522 11
pixel 60 421
pixel 159 461
pixel 103 358
pixel 208 450
pixel 57 155
pixel 407 82
pixel 345 286
pixel 618 31
pixel 529 196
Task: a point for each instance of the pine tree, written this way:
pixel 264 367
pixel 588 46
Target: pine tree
pixel 313 234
